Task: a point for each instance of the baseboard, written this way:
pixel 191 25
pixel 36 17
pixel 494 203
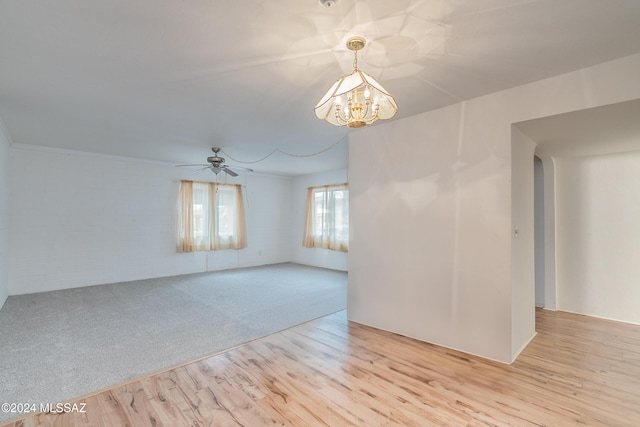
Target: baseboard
pixel 521 349
pixel 601 317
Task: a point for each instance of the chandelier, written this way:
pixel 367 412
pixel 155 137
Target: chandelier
pixel 356 100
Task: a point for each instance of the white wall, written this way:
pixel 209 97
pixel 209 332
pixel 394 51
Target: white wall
pixel 80 219
pixel 268 220
pixel 523 299
pixel 313 256
pixel 4 214
pixel 431 208
pixel 598 235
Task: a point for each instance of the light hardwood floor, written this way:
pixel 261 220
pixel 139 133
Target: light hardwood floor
pixel 577 371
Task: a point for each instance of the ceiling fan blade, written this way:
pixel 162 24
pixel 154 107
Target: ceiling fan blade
pixel 229 171
pixel 179 166
pixel 241 167
pixel 201 169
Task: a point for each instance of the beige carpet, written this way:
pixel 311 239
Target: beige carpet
pixel 59 345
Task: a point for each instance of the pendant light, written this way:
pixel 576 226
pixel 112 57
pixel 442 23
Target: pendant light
pixel 358 99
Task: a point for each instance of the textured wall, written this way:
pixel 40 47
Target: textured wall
pixel 523 240
pixel 430 254
pixel 431 249
pixel 4 215
pixel 598 235
pixel 80 219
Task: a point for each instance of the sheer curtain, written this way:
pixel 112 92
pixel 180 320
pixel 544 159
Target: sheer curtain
pixel 230 225
pixel 184 227
pixel 210 217
pixel 327 220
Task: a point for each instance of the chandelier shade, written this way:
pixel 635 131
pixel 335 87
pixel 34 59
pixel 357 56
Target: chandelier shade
pixel 356 100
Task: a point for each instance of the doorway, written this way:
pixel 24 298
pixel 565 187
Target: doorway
pixel 538 230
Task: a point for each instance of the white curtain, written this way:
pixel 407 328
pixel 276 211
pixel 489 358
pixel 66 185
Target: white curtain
pixel 210 217
pixel 229 230
pixel 327 220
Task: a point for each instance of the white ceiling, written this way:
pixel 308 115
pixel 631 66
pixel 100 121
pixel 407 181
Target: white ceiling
pixel 166 80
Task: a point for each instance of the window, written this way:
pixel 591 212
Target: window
pixel 327 224
pixel 210 217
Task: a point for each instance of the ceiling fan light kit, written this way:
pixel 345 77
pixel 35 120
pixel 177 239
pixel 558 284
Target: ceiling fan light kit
pixel 358 99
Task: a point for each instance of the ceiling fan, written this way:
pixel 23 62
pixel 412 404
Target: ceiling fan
pixel 216 164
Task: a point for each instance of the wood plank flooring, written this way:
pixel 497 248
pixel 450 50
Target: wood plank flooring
pixel 330 372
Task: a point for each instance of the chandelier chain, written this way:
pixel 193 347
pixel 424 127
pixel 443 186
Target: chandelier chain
pixel 277 150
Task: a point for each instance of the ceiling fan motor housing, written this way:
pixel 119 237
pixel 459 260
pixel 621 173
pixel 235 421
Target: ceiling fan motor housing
pixel 215 160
